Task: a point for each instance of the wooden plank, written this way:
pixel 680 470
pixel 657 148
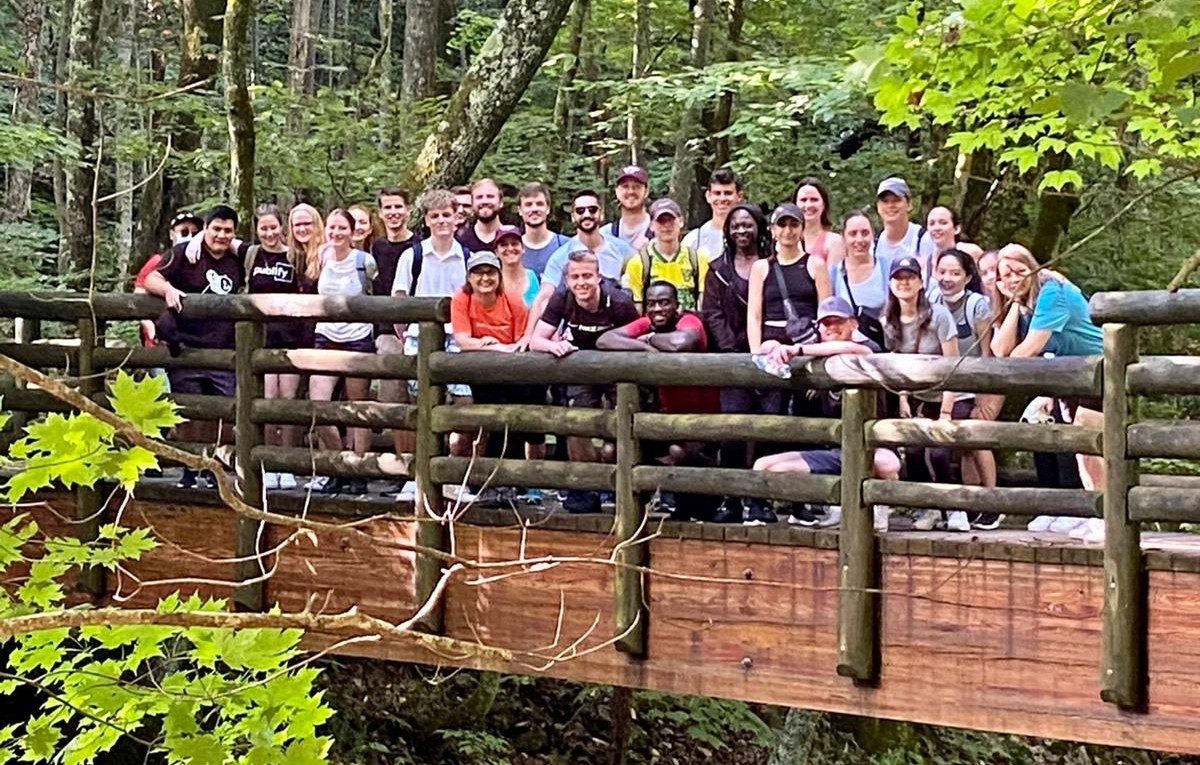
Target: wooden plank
pixel 795 487
pixel 1146 307
pixel 366 414
pixel 307 462
pixel 1157 375
pixel 1013 501
pixel 89 510
pixel 630 614
pixel 545 473
pixel 772 428
pixel 858 555
pixel 432 529
pixel 1164 438
pixel 981 434
pixel 519 418
pixel 250 437
pixel 1123 637
pixel 394 366
pixel 43 355
pixel 1163 504
pixel 160 356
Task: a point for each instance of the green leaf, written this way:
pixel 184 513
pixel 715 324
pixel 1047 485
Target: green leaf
pixel 1179 68
pixel 144 403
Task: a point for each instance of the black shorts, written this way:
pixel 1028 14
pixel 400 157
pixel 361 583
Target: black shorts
pixel 204 382
pixel 365 345
pixel 591 396
pixel 1073 404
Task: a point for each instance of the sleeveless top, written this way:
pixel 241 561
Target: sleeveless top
pixel 869 294
pixel 802 290
pixel 820 248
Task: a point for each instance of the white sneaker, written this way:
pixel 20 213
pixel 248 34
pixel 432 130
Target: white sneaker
pixel 457 493
pixel 408 492
pixel 882 514
pixel 1090 531
pixel 270 481
pixel 831 518
pixel 286 480
pixel 926 520
pixel 958 521
pixel 317 483
pixel 1065 524
pixel 1041 523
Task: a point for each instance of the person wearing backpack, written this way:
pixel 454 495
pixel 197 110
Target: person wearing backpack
pixel 900 237
pixel 345 272
pixel 665 259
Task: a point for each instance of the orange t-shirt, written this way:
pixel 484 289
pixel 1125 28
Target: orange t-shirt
pixel 505 320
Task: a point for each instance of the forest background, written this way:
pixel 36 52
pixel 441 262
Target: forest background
pixel 1070 126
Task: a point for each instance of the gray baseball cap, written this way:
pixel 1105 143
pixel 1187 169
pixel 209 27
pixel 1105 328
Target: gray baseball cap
pixel 834 307
pixel 483 258
pixel 894 185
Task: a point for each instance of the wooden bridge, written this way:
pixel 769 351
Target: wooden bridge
pixel 1002 631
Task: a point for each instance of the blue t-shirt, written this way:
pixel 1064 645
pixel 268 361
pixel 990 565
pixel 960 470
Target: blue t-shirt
pixel 535 258
pixel 870 295
pixel 1063 310
pixel 613 256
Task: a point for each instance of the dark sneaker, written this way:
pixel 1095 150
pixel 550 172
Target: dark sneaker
pixel 802 515
pixel 758 514
pixel 392 488
pixel 578 502
pixel 187 480
pixel 355 487
pixel 208 479
pixel 986 521
pixel 333 485
pixel 730 511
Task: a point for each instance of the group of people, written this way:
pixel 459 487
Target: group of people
pixel 781 286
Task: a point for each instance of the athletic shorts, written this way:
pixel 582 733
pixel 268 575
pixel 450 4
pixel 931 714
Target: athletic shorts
pixel 204 382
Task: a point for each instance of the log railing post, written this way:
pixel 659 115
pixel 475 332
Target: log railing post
pixel 432 530
pixel 87 498
pixel 250 337
pixel 858 562
pixel 1123 674
pixel 631 612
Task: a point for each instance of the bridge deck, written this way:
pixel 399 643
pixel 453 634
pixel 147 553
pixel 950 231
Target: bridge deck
pixel 997 631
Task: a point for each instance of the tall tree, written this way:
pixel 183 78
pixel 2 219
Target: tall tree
pixel 723 115
pixel 490 90
pixel 125 13
pixel 32 15
pixel 641 60
pixel 422 38
pixel 683 171
pixel 82 127
pixel 239 110
pixel 300 47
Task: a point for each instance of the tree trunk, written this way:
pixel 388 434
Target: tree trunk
pixel 641 60
pixel 299 47
pixel 622 717
pixel 1055 209
pixel 82 127
pixel 380 70
pixel 202 32
pixel 683 171
pixel 126 15
pixel 564 100
pixel 60 169
pixel 239 110
pixel 25 109
pixel 490 90
pixel 975 182
pixel 421 36
pixel 723 116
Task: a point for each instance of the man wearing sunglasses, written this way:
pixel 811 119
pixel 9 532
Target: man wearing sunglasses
pixel 613 253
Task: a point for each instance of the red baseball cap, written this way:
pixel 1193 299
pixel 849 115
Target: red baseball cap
pixel 633 172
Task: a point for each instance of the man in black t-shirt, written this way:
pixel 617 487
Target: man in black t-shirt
pixel 217 271
pixel 573 320
pixel 487 200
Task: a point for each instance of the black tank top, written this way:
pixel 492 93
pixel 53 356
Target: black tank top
pixel 802 290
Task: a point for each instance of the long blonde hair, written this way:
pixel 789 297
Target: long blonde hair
pixel 1037 274
pixel 306 259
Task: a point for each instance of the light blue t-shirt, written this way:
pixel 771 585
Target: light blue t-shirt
pixel 870 295
pixel 1063 310
pixel 535 258
pixel 613 256
pixel 531 291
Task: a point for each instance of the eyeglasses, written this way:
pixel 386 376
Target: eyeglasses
pixel 302 224
pixel 593 209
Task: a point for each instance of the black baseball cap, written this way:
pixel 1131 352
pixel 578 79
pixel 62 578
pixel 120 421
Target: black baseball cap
pixel 905 264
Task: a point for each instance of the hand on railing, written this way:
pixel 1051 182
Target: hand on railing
pixel 174 298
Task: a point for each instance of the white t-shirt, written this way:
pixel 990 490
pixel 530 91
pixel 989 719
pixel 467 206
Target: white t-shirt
pixel 917 243
pixel 441 275
pixel 708 241
pixel 341 278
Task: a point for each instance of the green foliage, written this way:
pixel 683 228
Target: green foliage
pixel 1110 83
pixel 190 695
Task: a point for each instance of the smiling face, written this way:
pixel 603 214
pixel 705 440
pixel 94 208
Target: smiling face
pixel 941 227
pixel 809 200
pixel 534 209
pixel 339 229
pixel 905 285
pixel 303 227
pixel 722 197
pixel 362 223
pixel 394 211
pixel 510 250
pixel 583 279
pixel 218 235
pixel 893 207
pixel 837 329
pixel 987 271
pixel 586 213
pixel 951 276
pixel 1012 278
pixel 441 221
pixel 463 208
pixel 270 232
pixel 631 194
pixel 858 235
pixel 485 198
pixel 484 280
pixel 662 307
pixel 743 230
pixel 787 232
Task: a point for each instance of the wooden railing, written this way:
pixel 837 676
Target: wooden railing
pixel 1118 376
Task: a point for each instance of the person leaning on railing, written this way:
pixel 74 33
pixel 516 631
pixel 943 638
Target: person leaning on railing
pixel 217 271
pixel 573 320
pixel 487 318
pixel 912 325
pixel 838 328
pixel 1059 323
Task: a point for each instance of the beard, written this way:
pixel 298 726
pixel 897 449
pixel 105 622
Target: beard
pixel 485 214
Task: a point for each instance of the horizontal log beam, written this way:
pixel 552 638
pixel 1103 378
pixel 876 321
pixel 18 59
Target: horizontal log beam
pixel 544 474
pixel 42 355
pixel 1164 438
pixel 1162 504
pixel 770 428
pixel 519 418
pixel 366 414
pixel 390 366
pixel 1019 502
pixel 982 434
pixel 66 306
pixel 794 487
pixel 160 356
pixel 1146 307
pixel 304 462
pixel 1060 376
pixel 1164 374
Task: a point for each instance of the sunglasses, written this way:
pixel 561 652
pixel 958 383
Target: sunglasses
pixel 593 209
